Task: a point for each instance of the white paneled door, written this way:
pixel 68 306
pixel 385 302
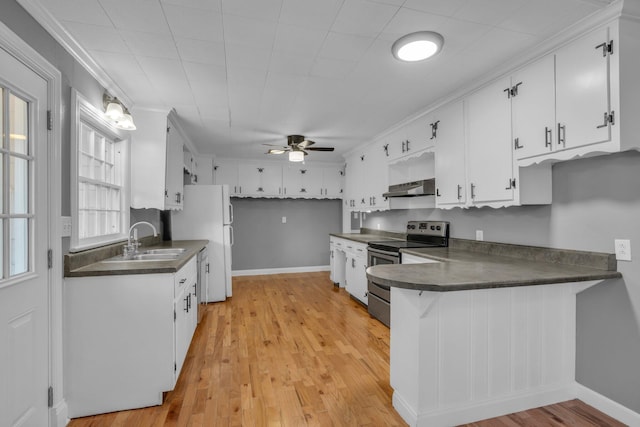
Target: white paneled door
pixel 24 318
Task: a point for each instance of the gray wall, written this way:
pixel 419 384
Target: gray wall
pixel 595 201
pixel 73 75
pixel 263 241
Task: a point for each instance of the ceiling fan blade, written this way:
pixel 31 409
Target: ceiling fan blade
pixel 272 151
pixel 306 143
pixel 275 145
pixel 320 148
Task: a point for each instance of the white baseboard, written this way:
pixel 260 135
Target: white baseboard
pixel 258 272
pixel 59 415
pixel 606 405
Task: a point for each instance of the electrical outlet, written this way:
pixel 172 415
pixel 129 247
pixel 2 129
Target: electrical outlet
pixel 378 226
pixel 479 235
pixel 623 249
pixel 66 226
pixel 284 219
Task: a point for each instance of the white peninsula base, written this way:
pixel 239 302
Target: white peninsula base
pixel 463 356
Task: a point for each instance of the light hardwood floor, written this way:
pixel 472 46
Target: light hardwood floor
pixel 293 350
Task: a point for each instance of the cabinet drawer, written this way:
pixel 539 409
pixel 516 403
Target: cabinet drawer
pixel 186 276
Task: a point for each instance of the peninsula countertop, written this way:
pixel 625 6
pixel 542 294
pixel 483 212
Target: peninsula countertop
pixel 106 268
pixel 463 269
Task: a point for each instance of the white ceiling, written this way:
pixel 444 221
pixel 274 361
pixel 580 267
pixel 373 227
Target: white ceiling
pixel 241 73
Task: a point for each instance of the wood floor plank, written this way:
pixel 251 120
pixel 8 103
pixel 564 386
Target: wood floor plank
pixel 293 350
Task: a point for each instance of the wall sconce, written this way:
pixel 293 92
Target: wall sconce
pixel 117 113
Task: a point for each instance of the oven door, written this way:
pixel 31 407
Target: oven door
pixel 381 257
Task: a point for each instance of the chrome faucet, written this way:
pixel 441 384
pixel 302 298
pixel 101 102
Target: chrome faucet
pixel 131 248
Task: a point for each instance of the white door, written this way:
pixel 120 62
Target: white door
pixel 23 246
pixel 450 155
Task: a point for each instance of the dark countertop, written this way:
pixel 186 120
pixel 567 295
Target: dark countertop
pixel 101 268
pixel 464 270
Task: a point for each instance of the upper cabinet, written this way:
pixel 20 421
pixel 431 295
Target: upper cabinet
pixel 251 178
pixel 367 178
pixel 450 157
pixel 157 161
pixel 409 140
pixel 489 155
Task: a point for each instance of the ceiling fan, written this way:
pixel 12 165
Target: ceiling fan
pixel 297 147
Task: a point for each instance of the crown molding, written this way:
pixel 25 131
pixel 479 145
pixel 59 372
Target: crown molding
pixel 69 43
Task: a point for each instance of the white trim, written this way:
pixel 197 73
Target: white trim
pixel 69 43
pixel 606 405
pixel 263 271
pixel 59 415
pixel 30 57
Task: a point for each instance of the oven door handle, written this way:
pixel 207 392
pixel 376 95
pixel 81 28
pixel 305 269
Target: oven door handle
pixel 385 287
pixel 377 251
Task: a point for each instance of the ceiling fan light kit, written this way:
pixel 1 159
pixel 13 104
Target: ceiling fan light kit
pixel 296 156
pixel 417 46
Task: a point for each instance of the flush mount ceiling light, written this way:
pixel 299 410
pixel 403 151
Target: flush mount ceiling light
pixel 117 113
pixel 296 156
pixel 417 46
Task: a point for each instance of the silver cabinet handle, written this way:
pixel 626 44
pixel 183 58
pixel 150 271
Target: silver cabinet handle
pixel 512 184
pixel 231 235
pixel 403 146
pixel 561 134
pixel 473 191
pixel 459 192
pixel 547 136
pixel 408 145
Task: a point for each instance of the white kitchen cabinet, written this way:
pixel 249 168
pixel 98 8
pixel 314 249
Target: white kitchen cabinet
pixel 367 179
pixel 126 338
pixel 533 108
pixel 489 153
pixel 338 260
pixel 174 193
pixel 418 134
pixel 300 180
pixel 203 170
pixel 356 266
pixel 354 181
pixel 157 161
pixel 333 181
pixel 258 179
pixel 395 144
pixel 450 157
pixel 226 172
pixel 582 91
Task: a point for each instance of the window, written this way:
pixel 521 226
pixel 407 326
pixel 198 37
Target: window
pixel 100 179
pixel 16 164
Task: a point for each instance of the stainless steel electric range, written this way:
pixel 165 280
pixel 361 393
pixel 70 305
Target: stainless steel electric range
pixel 420 234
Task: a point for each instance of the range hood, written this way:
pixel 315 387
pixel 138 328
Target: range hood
pixel 424 187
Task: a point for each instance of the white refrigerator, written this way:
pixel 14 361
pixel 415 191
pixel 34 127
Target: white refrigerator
pixel 208 214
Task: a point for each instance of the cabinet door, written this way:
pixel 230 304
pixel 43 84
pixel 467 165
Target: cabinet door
pixel 375 177
pixel 582 91
pixel 174 170
pixel 260 180
pixel 533 108
pixel 226 172
pixel 490 158
pixel 357 182
pixel 418 134
pixel 182 327
pixel 333 181
pixel 450 155
pixel 302 181
pixel 360 277
pixel 396 144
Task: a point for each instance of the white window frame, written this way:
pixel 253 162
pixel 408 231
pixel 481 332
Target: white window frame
pixel 90 115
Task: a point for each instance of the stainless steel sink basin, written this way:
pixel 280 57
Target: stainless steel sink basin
pixel 168 251
pixel 145 257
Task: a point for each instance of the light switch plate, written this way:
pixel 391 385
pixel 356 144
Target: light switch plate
pixel 284 219
pixel 479 235
pixel 623 249
pixel 66 226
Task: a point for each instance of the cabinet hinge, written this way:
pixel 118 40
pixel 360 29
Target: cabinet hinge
pixel 166 193
pixel 50 258
pixel 168 129
pixel 611 118
pixel 174 315
pixel 49 120
pixel 175 367
pixel 50 397
pixel 513 183
pixel 607 48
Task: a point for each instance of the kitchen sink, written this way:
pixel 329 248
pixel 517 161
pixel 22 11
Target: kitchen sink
pixel 162 251
pixel 145 257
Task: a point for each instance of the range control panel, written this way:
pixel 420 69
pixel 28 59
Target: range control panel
pixel 428 228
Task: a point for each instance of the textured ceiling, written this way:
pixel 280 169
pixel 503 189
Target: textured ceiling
pixel 241 73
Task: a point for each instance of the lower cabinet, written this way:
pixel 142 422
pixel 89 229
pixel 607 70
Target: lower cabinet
pixel 355 270
pixel 126 338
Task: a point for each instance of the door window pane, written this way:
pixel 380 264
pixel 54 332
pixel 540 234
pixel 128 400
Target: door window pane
pixel 19 246
pixel 18 124
pixel 19 185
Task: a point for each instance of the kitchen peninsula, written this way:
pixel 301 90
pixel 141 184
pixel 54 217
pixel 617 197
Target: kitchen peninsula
pixel 487 330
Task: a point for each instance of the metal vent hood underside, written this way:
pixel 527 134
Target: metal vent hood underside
pixel 424 187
